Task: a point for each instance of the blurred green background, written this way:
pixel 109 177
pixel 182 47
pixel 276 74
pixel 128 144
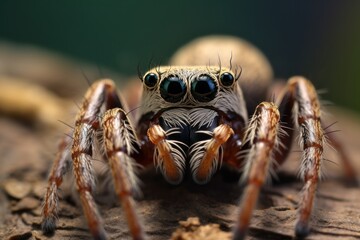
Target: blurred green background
pixel 318 39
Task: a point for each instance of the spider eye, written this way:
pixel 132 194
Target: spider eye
pixel 227 79
pixel 204 88
pixel 151 79
pixel 172 89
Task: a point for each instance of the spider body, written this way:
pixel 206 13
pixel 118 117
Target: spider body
pixel 191 119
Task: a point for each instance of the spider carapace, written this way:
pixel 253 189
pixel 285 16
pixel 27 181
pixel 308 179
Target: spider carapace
pixel 191 119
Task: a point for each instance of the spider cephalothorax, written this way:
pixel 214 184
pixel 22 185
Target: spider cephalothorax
pixel 189 103
pixel 191 118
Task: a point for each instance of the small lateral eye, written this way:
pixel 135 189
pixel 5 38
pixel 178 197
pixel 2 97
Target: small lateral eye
pixel 151 79
pixel 227 79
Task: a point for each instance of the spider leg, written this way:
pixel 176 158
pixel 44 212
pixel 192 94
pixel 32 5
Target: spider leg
pixel 261 138
pixel 86 124
pixel 286 107
pixel 300 107
pixel 120 142
pixel 60 167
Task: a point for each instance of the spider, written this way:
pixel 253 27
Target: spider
pixel 192 120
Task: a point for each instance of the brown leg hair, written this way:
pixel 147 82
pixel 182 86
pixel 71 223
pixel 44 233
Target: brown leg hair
pixel 60 167
pixel 301 98
pixel 299 106
pixel 120 140
pixel 86 125
pixel 261 136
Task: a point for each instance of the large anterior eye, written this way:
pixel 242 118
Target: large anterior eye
pixel 151 79
pixel 204 88
pixel 172 89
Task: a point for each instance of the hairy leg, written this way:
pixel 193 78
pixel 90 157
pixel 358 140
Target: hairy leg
pixel 120 142
pixel 300 107
pixel 261 137
pixel 59 168
pixel 100 95
pixel 286 107
pixel 87 123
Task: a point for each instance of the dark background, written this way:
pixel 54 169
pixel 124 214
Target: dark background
pixel 318 39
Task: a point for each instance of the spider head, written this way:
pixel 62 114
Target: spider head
pixel 188 86
pixel 187 102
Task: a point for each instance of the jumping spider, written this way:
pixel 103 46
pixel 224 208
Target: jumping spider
pixel 192 118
